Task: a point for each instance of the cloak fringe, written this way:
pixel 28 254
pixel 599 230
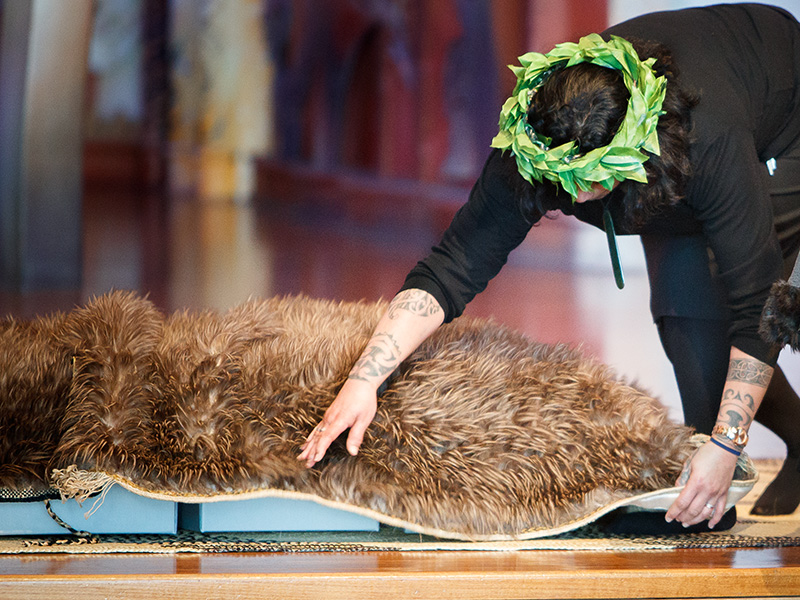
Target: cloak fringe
pixel 81 485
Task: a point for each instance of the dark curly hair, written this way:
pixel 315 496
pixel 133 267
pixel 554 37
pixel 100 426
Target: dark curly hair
pixel 586 103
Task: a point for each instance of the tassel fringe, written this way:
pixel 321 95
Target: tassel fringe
pixel 780 320
pixel 74 483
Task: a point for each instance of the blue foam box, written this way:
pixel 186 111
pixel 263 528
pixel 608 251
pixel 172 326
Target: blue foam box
pixel 270 514
pixel 121 512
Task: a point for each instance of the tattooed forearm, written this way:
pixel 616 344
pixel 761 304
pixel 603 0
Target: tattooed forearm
pixel 749 370
pixel 392 342
pixel 417 302
pixel 735 419
pixel 736 398
pixel 379 358
pixel 737 409
pixel 746 382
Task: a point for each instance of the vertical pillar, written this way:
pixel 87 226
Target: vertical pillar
pixel 43 58
pixel 157 91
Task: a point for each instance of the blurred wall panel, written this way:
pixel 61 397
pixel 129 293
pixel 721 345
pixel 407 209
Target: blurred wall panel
pixel 43 55
pixel 128 98
pixel 387 106
pixel 220 76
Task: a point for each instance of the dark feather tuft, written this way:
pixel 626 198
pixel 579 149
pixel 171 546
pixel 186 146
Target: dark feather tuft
pixel 780 320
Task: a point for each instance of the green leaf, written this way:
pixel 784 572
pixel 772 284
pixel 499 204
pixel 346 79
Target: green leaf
pixel 567 181
pixel 530 58
pixel 518 71
pixel 502 140
pixel 624 157
pixel 608 182
pixel 651 143
pixel 561 151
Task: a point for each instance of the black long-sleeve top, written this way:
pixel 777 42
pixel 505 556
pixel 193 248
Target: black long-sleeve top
pixel 744 63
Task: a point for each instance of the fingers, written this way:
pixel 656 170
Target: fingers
pixel 719 510
pixel 356 435
pixel 693 508
pixel 711 511
pixel 706 479
pixel 319 440
pixel 679 511
pixel 693 505
pixel 353 408
pixel 696 504
pixel 700 510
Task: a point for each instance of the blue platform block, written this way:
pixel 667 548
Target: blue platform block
pixel 121 512
pixel 270 514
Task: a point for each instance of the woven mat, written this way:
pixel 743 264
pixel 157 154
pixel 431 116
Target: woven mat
pixel 749 532
pixel 745 534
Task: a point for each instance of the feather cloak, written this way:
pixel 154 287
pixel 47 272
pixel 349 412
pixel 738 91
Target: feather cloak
pixel 480 434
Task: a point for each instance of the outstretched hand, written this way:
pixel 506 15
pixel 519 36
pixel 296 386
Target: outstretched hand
pixel 354 407
pixel 707 476
pixel 411 317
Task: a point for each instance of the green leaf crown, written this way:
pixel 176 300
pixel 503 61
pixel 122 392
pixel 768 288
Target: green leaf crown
pixel 623 158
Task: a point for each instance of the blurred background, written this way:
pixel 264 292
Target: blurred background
pixel 203 152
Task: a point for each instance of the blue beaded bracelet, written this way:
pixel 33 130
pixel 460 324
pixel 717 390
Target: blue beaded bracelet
pixel 724 447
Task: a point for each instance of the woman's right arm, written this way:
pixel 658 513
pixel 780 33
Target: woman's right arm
pixel 411 317
pixel 472 251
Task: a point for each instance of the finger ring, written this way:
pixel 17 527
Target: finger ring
pixel 709 505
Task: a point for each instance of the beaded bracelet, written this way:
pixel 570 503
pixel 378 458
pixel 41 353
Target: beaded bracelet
pixel 724 447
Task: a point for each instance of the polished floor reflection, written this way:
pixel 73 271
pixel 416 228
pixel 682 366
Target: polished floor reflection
pixel 557 287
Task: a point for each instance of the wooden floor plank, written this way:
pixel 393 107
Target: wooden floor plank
pixel 757 573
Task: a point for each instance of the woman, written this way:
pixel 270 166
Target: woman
pixel 667 139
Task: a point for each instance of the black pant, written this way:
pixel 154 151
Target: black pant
pixel 699 352
pixel 689 310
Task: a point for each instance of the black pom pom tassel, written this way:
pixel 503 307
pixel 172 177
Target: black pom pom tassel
pixel 780 320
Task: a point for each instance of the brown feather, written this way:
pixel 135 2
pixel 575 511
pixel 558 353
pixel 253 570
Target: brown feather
pixel 480 431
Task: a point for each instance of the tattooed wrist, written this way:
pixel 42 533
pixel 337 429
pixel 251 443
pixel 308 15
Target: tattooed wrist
pixel 737 409
pixel 738 400
pixel 749 370
pixel 416 302
pixel 747 378
pixel 734 418
pixel 380 357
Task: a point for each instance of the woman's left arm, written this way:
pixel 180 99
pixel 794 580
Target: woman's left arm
pixel 709 472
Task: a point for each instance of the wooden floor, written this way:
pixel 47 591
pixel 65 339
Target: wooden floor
pixel 390 575
pixel 557 287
